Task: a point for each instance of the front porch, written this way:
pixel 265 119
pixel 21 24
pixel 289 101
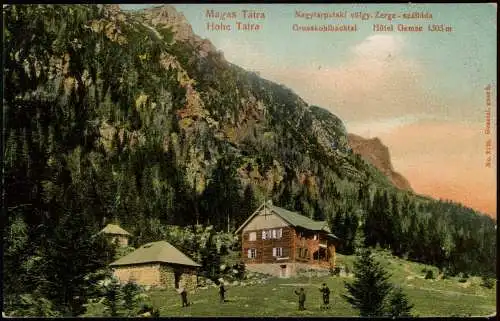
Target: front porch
pixel 322 254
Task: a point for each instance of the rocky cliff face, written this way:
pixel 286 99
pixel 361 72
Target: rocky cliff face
pixel 168 17
pixel 377 154
pixel 159 108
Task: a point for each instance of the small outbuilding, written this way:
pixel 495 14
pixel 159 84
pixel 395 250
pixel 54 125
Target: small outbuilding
pixel 157 264
pixel 116 234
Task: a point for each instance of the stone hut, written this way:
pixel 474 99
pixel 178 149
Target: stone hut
pixel 157 264
pixel 116 234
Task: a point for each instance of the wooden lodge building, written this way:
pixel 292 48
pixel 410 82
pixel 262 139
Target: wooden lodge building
pixel 280 242
pixel 157 264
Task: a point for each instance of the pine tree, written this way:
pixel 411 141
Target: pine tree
pixel 72 252
pixel 112 299
pixel 370 288
pixel 16 262
pixel 359 239
pixel 249 205
pixel 385 236
pixel 338 223
pixel 399 304
pixel 397 239
pixel 131 297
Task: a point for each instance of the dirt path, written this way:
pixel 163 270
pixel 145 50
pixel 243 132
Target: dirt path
pixel 452 292
pixel 407 269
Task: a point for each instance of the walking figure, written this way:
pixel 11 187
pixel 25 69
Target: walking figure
pixel 326 297
pixel 222 291
pixel 302 298
pixel 182 291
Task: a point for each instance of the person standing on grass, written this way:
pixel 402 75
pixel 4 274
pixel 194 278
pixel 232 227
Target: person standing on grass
pixel 302 298
pixel 326 296
pixel 182 291
pixel 222 292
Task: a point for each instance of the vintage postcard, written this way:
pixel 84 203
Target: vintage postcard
pixel 237 160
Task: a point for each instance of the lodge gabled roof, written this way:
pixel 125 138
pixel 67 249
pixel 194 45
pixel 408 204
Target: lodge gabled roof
pixel 156 252
pixel 114 230
pixel 293 218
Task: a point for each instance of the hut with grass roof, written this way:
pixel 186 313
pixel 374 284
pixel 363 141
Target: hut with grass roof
pixel 116 234
pixel 157 264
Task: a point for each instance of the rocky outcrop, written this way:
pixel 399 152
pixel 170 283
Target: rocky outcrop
pixel 167 16
pixel 376 153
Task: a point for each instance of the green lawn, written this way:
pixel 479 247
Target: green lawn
pixel 276 298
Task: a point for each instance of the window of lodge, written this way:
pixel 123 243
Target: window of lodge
pixel 252 253
pixel 278 252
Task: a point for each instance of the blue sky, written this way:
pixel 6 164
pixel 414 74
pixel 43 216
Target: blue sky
pixel 421 93
pixel 464 59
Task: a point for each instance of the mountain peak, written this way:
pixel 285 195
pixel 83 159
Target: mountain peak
pixel 113 12
pixel 168 16
pixel 376 153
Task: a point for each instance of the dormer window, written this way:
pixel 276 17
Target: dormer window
pixel 272 234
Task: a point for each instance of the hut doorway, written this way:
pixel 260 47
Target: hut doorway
pixel 283 271
pixel 177 278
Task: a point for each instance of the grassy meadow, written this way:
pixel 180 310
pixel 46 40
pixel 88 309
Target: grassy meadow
pixel 431 297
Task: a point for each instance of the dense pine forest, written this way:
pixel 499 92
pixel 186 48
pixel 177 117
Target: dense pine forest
pixel 110 116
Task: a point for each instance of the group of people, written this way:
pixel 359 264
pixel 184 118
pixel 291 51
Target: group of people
pixel 182 291
pixel 325 290
pixel 326 297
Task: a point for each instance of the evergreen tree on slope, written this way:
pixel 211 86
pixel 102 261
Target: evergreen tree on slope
pixel 370 288
pixel 399 305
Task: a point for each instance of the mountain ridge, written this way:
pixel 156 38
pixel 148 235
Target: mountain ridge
pixel 168 16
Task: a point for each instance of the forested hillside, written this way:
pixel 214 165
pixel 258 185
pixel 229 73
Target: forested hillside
pixel 130 117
